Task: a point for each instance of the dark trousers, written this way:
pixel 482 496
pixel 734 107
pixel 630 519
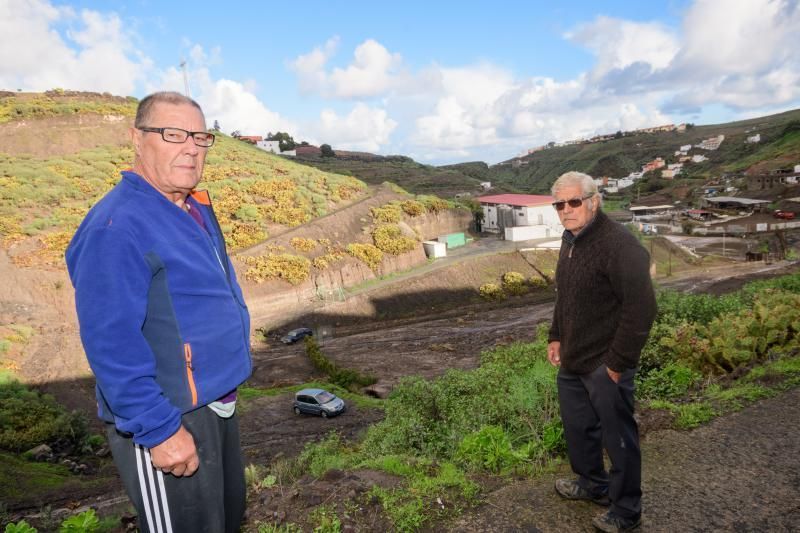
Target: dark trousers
pixel 598 413
pixel 212 500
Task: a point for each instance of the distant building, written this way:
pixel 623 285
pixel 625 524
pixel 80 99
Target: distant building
pixel 686 147
pixel 754 139
pixel 668 174
pixel 711 144
pixel 699 158
pixel 653 165
pixel 252 139
pixel 486 185
pixel 508 213
pixel 274 147
pixel 733 202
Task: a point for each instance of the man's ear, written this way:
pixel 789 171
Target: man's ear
pixel 136 139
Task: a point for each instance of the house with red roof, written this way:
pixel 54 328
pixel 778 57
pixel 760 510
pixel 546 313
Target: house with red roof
pixel 520 217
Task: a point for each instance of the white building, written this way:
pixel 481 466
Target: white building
pixel 712 143
pixel 624 182
pixel 275 148
pixel 520 216
pixel 753 139
pixel 699 158
pixel 686 147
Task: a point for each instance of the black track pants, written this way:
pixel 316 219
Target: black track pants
pixel 212 500
pixel 598 413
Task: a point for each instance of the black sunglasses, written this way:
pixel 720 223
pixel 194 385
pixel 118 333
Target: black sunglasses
pixel 574 203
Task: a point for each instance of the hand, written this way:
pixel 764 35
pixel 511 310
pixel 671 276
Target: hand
pixel 177 455
pixel 613 375
pixel 554 353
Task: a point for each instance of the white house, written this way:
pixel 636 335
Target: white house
pixel 274 147
pixel 686 148
pixel 753 139
pixel 520 216
pixel 699 158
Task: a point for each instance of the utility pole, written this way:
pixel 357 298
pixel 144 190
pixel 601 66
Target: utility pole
pixel 185 79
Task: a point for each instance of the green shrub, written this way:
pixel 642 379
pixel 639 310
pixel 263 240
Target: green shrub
pixel 292 268
pixel 491 291
pixel 29 418
pixel 514 389
pixel 489 448
pixel 514 283
pixel 366 253
pixel 20 527
pixel 344 377
pixel 389 239
pixel 412 208
pixel 671 381
pixel 389 213
pixel 85 522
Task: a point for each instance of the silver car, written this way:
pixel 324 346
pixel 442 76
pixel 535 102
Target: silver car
pixel 318 402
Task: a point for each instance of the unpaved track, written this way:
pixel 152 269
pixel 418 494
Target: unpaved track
pixel 738 473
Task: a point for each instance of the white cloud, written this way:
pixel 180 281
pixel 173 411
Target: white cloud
pixel 94 55
pixel 374 71
pixel 618 44
pixel 364 128
pixel 310 67
pixel 370 74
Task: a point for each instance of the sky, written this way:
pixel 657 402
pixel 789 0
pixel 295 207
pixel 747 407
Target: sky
pixel 439 81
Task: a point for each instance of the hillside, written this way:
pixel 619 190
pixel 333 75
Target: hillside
pixel 779 148
pixel 445 181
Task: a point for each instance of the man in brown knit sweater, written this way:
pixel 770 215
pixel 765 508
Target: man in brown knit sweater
pixel 604 309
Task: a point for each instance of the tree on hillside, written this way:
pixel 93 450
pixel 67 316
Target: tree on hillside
pixel 216 125
pixel 327 151
pixel 236 134
pixel 285 141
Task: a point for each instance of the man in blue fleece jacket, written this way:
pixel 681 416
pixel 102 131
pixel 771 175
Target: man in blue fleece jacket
pixel 165 327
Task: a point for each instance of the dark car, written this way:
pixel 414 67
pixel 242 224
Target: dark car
pixel 296 335
pixel 786 215
pixel 318 402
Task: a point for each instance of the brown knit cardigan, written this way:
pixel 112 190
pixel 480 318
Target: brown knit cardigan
pixel 605 304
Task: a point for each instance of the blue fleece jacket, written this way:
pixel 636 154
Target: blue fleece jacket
pixel 162 317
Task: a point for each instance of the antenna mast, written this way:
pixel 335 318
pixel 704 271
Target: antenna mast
pixel 185 79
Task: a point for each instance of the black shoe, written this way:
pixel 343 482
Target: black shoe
pixel 612 523
pixel 569 489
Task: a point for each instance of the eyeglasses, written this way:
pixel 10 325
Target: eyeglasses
pixel 574 203
pixel 177 135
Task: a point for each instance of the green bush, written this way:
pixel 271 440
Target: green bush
pixel 491 291
pixel 514 283
pixel 514 389
pixel 671 381
pixel 366 253
pixel 344 377
pixel 29 418
pixel 489 448
pixel 389 238
pixel 20 527
pixel 85 522
pixel 389 213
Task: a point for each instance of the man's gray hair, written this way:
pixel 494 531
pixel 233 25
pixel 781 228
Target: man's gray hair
pixel 145 109
pixel 584 181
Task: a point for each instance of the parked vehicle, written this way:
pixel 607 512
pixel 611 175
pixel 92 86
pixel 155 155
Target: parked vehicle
pixel 786 215
pixel 318 402
pixel 296 335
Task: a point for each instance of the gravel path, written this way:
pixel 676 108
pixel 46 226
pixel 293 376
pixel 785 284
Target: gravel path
pixel 740 472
